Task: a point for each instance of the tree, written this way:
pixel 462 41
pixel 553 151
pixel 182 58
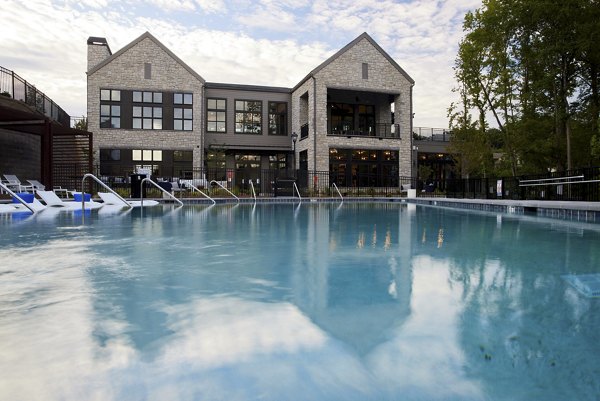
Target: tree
pixel 81 124
pixel 533 67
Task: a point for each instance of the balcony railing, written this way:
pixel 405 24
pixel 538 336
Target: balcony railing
pixel 431 134
pixel 379 130
pixel 12 85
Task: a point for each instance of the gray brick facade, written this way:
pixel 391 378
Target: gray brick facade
pixel 125 71
pixel 360 72
pixel 345 72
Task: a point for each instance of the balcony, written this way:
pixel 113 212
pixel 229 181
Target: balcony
pixel 431 134
pixel 378 130
pixel 15 87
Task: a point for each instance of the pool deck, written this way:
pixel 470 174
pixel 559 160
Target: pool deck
pixel 581 211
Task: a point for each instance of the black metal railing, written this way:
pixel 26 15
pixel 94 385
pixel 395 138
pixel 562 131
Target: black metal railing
pixel 582 184
pixel 431 134
pixel 378 130
pixel 15 87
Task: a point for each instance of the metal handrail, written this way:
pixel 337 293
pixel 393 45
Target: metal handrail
pixel 253 192
pixel 157 186
pixel 194 188
pixel 552 179
pixel 90 175
pixel 338 191
pixel 4 187
pixel 297 190
pixel 221 185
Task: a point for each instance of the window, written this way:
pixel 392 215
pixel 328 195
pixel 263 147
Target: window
pixel 248 117
pixel 183 155
pixel 110 154
pixel 146 155
pixel 146 117
pixel 110 95
pixel 277 161
pixel 147 97
pixel 182 98
pixel 365 71
pixel 110 116
pixel 277 118
pixel 182 119
pixel 216 110
pixel 110 110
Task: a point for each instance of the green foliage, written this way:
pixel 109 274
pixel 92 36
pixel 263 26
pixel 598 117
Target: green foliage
pixel 5 94
pixel 81 124
pixel 532 68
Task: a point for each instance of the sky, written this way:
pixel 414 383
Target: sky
pixel 264 42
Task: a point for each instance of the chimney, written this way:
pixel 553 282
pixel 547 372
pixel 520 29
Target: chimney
pixel 98 51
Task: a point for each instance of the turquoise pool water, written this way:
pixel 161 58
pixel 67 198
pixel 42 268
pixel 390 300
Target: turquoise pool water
pixel 283 302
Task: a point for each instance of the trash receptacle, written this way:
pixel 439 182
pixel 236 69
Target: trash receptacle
pixel 136 180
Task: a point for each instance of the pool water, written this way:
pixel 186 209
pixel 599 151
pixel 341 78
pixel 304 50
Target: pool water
pixel 380 301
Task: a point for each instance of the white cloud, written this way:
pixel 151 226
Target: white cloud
pixel 422 36
pixel 211 6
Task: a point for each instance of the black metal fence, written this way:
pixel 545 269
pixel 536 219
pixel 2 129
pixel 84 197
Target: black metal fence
pixel 12 85
pixel 574 185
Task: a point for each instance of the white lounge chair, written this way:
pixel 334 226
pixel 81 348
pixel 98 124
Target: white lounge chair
pixel 37 185
pixel 51 200
pixel 111 199
pixel 13 182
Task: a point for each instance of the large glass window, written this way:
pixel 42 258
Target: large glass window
pixel 342 119
pixel 146 155
pixel 110 116
pixel 248 117
pixel 147 97
pixel 277 118
pixel 183 98
pixel 110 108
pixel 216 111
pixel 364 167
pixel 182 119
pixel 277 161
pixel 147 117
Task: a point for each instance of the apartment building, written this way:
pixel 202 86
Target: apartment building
pixel 350 116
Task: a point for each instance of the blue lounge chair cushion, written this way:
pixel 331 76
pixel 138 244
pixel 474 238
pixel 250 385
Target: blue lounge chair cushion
pixel 27 197
pixel 77 197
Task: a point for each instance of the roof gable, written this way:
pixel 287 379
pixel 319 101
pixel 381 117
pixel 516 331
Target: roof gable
pixel 350 45
pixel 146 35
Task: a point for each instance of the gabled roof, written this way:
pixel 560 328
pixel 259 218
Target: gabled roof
pixel 146 35
pixel 350 45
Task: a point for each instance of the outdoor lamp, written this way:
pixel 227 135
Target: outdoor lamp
pixel 294 139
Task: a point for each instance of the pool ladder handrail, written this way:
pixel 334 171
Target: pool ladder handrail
pixel 297 191
pixel 253 191
pixel 157 186
pixel 17 197
pixel 196 189
pixel 338 191
pixel 221 185
pixel 99 181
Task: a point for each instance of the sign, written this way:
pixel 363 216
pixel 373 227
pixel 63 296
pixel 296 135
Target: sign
pixel 499 188
pixel 229 175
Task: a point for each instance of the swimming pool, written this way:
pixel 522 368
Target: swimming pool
pixel 377 301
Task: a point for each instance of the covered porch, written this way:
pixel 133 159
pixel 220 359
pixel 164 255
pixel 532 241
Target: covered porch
pixel 361 113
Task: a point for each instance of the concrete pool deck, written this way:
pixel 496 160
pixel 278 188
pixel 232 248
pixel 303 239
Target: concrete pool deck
pixel 580 211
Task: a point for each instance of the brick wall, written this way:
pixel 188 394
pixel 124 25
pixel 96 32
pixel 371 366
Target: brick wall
pixel 126 71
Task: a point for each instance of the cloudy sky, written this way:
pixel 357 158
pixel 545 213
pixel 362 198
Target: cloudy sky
pixel 264 42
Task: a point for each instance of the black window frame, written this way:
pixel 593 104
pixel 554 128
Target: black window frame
pixel 114 112
pixel 245 114
pixel 184 97
pixel 216 110
pixel 281 129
